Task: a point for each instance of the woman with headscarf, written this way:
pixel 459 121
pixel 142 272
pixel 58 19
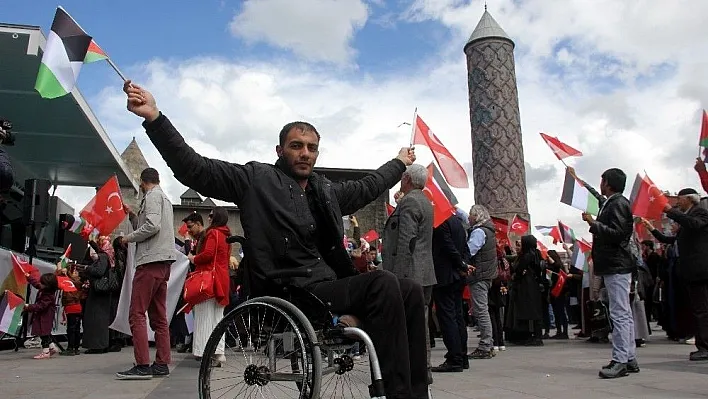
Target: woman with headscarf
pixel 555 265
pixel 525 302
pixel 213 252
pixel 97 313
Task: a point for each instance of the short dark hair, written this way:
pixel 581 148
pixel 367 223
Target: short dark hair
pixel 150 175
pixel 298 125
pixel 49 281
pixel 194 217
pixel 616 179
pixel 219 217
pixel 648 243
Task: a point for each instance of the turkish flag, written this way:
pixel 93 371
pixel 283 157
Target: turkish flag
pixel 519 226
pixel 542 248
pixel 183 230
pixel 105 211
pixel 559 148
pixel 65 284
pixel 452 170
pixel 560 283
pixel 20 267
pixel 501 227
pixel 370 236
pixel 442 208
pixel 647 200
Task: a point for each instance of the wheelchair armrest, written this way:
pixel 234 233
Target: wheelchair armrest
pixel 288 273
pixel 239 239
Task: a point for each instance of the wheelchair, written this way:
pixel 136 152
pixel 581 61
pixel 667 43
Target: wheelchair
pixel 288 345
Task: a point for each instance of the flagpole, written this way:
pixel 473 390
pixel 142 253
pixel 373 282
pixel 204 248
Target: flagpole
pixel 115 68
pixel 413 126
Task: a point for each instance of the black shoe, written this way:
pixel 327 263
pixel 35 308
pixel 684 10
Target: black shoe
pixel 614 370
pixel 142 372
pixel 560 336
pixel 160 370
pixel 533 342
pixel 698 356
pixel 447 368
pixel 465 362
pixel 114 348
pixel 632 366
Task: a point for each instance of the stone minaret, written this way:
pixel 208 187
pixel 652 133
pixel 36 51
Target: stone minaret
pixel 136 162
pixel 497 151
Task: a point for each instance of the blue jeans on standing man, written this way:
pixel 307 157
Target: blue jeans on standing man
pixel 623 345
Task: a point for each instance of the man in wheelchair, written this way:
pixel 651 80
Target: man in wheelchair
pixel 292 219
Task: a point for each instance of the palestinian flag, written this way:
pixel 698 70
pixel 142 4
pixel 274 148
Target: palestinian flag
pixel 65 52
pixel 581 255
pixel 703 139
pixel 567 234
pixel 94 53
pixel 576 195
pixel 11 307
pixel 551 231
pixel 64 259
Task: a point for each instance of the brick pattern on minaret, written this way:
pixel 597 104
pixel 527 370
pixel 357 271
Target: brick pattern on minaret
pixel 497 151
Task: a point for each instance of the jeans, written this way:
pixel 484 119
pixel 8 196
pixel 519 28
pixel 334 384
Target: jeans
pixel 480 309
pixel 448 302
pixel 623 345
pixel 150 294
pixel 392 311
pixel 73 330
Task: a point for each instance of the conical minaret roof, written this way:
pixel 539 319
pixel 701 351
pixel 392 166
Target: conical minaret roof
pixel 487 28
pixel 134 159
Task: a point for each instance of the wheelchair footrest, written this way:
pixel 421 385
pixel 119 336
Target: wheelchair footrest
pixel 376 389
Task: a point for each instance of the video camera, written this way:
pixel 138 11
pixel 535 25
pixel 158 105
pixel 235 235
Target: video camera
pixel 8 138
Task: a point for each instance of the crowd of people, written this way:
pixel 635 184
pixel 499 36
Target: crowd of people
pixel 420 278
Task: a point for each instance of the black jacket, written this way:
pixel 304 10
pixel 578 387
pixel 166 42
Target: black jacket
pixel 271 212
pixel 691 240
pixel 449 242
pixel 611 233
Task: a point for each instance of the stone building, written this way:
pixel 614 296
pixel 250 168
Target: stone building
pixel 190 201
pixel 497 151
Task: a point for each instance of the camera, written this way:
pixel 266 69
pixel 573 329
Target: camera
pixel 8 138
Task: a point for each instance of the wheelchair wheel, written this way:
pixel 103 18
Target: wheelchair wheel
pixel 346 373
pixel 267 354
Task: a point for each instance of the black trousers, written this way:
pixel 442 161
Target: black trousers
pixel 497 325
pixel 448 302
pixel 393 314
pixel 73 330
pixel 559 314
pixel 46 340
pixel 546 312
pixel 698 293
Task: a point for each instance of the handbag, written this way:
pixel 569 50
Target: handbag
pixel 199 285
pixel 108 283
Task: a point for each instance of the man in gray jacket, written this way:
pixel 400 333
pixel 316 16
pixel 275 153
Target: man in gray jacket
pixel 408 237
pixel 482 244
pixel 154 254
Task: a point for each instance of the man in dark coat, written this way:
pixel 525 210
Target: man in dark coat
pixel 691 239
pixel 613 261
pixel 449 240
pixel 292 219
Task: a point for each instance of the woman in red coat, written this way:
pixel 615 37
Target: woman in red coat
pixel 213 252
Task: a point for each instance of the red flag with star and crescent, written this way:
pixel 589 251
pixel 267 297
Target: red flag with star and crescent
pixel 519 226
pixel 452 170
pixel 442 208
pixel 501 227
pixel 105 211
pixel 647 200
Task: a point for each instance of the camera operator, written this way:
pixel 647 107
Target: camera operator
pixel 6 172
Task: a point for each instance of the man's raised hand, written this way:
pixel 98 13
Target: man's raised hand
pixel 140 101
pixel 407 155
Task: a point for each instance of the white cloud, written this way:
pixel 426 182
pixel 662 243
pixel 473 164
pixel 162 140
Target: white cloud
pixel 320 30
pixel 233 110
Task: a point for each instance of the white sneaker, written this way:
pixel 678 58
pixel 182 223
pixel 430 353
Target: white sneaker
pixel 691 341
pixel 495 349
pixel 502 348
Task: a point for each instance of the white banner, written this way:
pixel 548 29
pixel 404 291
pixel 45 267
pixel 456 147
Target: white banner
pixel 178 274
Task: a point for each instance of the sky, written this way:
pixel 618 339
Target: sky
pixel 624 81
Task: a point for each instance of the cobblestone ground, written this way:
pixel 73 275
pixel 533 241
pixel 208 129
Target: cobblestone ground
pixel 557 370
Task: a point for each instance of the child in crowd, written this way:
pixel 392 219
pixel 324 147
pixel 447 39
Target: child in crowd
pixel 43 310
pixel 71 301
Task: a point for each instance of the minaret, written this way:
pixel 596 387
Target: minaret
pixel 136 162
pixel 497 151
